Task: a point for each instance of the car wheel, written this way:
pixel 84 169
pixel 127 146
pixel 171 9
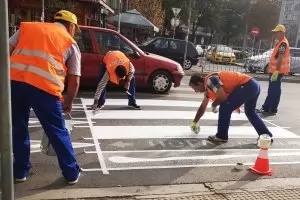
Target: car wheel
pixel 161 82
pixel 187 64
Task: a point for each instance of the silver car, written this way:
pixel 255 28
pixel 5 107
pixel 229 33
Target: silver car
pixel 259 63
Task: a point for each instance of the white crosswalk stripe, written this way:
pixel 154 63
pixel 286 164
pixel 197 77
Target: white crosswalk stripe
pixel 164 113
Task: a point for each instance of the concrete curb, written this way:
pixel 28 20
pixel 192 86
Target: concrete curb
pixel 258 77
pixel 156 192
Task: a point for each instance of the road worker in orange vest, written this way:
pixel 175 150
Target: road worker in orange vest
pixel 114 68
pixel 279 65
pixel 228 91
pixel 41 56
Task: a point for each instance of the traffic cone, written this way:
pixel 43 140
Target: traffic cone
pixel 262 165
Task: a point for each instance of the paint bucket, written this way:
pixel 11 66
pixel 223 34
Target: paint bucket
pixel 45 146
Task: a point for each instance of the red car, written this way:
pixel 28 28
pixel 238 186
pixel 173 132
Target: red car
pixel 151 70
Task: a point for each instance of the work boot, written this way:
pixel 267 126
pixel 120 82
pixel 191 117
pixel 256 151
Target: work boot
pixel 134 106
pixel 214 138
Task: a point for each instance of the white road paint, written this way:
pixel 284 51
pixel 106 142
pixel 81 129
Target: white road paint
pixel 35 145
pixel 144 132
pixel 127 159
pixel 184 166
pixel 162 114
pixel 97 145
pixel 149 102
pixel 192 150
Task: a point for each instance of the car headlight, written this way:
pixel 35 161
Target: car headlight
pixel 180 69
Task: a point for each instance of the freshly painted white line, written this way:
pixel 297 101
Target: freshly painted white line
pixel 127 159
pixel 184 89
pixel 154 114
pixel 150 102
pixel 144 132
pixel 98 149
pixel 189 150
pixel 184 166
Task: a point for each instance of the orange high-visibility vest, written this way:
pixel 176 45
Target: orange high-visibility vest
pixel 285 64
pixel 38 59
pixel 112 60
pixel 230 80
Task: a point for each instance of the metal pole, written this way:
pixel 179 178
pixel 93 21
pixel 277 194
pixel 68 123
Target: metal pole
pixel 174 32
pixel 245 37
pixel 119 20
pixel 5 120
pixel 43 11
pixel 188 31
pixel 253 45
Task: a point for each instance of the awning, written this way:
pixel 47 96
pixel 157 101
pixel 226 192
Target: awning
pixel 102 3
pixel 133 19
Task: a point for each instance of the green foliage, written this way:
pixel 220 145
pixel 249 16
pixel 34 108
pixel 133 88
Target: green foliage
pixel 53 6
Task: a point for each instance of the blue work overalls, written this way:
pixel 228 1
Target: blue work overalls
pixel 48 109
pixel 247 94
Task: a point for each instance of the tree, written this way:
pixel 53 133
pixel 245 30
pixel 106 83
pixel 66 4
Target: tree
pixel 53 6
pixel 264 15
pixel 151 9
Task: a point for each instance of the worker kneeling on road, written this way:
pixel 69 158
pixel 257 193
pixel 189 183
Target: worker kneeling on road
pixel 42 55
pixel 115 67
pixel 229 90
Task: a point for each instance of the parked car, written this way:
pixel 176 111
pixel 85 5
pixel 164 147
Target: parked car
pixel 209 49
pixel 173 49
pixel 200 50
pixel 260 63
pixel 223 54
pixel 151 70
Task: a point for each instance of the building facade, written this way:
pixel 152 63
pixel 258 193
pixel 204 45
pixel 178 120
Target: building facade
pixel 290 18
pixel 89 12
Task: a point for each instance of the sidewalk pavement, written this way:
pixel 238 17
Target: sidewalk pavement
pixel 262 189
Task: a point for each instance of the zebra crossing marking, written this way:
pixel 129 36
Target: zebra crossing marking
pixel 128 160
pixel 150 132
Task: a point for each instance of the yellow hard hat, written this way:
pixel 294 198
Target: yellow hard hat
pixel 279 28
pixel 67 16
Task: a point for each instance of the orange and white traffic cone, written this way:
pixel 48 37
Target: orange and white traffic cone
pixel 262 165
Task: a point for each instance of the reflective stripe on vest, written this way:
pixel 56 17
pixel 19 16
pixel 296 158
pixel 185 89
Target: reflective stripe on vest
pixel 41 54
pixel 38 71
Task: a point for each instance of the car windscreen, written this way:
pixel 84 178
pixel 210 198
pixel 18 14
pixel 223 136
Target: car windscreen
pixel 225 49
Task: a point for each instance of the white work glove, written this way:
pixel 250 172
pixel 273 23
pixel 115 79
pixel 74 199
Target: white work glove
pixel 195 128
pixel 215 109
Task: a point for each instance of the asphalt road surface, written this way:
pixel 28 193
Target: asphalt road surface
pixel 123 147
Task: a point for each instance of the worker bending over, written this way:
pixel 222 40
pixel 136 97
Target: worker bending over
pixel 229 90
pixel 115 67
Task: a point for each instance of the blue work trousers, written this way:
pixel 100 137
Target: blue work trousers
pixel 244 94
pixel 274 94
pixel 48 109
pixel 131 98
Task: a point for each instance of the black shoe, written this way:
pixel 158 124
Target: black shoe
pixel 262 111
pixel 134 106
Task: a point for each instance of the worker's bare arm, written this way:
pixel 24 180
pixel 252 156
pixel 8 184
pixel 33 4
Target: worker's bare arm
pixel 201 110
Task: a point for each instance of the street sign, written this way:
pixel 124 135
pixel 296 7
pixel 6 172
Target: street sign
pixel 176 11
pixel 175 22
pixel 255 32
